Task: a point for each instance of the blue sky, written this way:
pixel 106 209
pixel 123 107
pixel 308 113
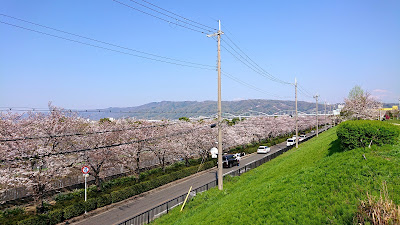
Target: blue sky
pixel 330 46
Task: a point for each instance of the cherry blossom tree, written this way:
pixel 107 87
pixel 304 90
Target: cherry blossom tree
pixel 361 105
pixel 43 147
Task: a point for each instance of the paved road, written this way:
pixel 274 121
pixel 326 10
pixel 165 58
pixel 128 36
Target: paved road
pixel 167 192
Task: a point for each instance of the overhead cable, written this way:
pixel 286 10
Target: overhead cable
pixel 81 134
pixel 183 21
pixel 165 20
pixel 102 147
pixel 252 62
pixel 179 15
pixel 113 50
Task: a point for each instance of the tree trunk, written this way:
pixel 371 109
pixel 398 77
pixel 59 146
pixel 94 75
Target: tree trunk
pixel 97 181
pixel 138 164
pixel 163 163
pixel 186 161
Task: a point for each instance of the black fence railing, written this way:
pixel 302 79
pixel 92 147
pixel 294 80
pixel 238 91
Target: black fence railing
pixel 154 213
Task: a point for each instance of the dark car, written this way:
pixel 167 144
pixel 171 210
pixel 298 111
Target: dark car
pixel 229 161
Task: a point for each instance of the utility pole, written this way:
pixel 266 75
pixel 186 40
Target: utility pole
pixel 316 111
pixel 220 175
pixel 297 132
pixel 325 112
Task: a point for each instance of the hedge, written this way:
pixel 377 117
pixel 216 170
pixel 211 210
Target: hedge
pixel 56 216
pixel 90 204
pixel 103 200
pixel 36 220
pixel 360 133
pixel 74 210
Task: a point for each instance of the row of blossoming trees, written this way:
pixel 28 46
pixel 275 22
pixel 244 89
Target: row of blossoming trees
pixel 36 148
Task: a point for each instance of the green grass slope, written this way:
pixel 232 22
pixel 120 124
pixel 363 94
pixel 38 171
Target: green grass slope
pixel 316 184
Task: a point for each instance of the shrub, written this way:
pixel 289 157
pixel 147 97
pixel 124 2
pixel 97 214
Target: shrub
pixel 362 133
pixel 103 200
pixel 120 195
pixel 12 212
pixel 36 220
pixel 74 210
pixel 56 216
pixel 90 204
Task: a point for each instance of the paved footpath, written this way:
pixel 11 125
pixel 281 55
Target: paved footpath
pixel 129 208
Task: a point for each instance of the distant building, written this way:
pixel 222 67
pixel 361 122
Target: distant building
pixel 336 112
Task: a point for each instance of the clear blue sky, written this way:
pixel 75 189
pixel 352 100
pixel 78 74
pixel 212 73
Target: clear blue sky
pixel 330 46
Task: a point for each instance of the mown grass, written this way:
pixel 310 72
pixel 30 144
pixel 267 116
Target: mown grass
pixel 316 184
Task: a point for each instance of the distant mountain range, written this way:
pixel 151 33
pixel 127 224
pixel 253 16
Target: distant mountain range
pixel 191 109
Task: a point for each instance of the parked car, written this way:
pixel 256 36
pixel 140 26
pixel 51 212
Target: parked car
pixel 229 160
pixel 263 149
pixel 290 142
pixel 302 137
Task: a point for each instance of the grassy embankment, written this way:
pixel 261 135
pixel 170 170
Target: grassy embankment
pixel 316 184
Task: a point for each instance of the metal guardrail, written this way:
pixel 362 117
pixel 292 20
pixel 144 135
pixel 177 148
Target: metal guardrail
pixel 154 213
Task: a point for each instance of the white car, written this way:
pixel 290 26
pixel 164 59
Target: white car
pixel 290 142
pixel 302 137
pixel 263 149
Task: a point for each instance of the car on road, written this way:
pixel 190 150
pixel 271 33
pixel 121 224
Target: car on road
pixel 302 137
pixel 263 149
pixel 229 160
pixel 290 142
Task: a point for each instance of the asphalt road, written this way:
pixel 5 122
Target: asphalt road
pixel 138 205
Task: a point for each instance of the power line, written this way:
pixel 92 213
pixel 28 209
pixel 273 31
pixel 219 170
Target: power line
pixel 104 147
pixel 82 134
pixel 252 68
pixel 208 30
pixel 104 48
pixel 266 72
pixel 165 20
pixel 304 91
pixel 103 42
pixel 252 62
pixel 179 15
pixel 250 86
pixel 25 109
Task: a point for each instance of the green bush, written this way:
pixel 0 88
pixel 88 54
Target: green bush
pixel 74 210
pixel 36 220
pixel 12 212
pixel 104 200
pixel 56 216
pixel 120 195
pixel 360 133
pixel 90 204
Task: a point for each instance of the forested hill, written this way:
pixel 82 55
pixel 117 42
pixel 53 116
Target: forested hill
pixel 175 109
